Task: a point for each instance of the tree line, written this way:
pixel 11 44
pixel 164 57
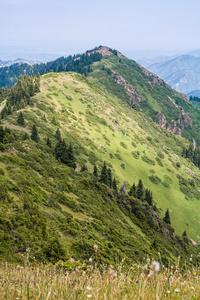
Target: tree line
pixel 193 154
pixel 18 96
pixel 194 98
pixel 77 63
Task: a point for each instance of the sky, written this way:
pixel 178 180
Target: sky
pixel 137 28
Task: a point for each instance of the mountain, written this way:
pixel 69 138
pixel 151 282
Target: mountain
pixel 52 202
pixel 195 53
pixel 182 73
pixel 17 61
pixel 151 61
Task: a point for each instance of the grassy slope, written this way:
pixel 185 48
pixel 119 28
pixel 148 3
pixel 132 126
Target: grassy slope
pixel 94 120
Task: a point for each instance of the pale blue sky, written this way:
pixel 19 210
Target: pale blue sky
pixel 73 26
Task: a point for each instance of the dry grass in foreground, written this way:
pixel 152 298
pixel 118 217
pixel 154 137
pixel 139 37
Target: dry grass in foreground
pixel 92 282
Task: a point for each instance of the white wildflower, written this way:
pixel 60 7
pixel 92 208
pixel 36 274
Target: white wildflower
pixel 72 259
pixel 176 290
pixel 95 248
pixel 155 266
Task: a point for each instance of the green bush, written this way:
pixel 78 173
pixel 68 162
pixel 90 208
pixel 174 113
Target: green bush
pixel 159 161
pixel 155 179
pixel 123 145
pixel 136 154
pixel 148 160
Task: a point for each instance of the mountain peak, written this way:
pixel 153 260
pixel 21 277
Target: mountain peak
pixel 104 50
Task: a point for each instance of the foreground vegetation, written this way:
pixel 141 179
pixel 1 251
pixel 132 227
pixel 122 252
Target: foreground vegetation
pixel 93 281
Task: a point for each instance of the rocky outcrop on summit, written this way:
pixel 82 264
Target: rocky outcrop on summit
pixel 133 94
pixel 108 51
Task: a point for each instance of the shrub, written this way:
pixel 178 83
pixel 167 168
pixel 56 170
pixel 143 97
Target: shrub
pixel 155 179
pixel 160 154
pixel 136 154
pixel 123 145
pixel 133 144
pixel 159 161
pixel 148 160
pixel 118 156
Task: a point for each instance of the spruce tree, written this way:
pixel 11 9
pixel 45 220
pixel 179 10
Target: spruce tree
pixel 34 134
pixel 70 157
pixel 49 142
pixel 148 197
pixel 58 135
pixel 140 190
pixel 132 191
pixel 104 175
pixel 166 218
pixel 95 172
pixel 114 185
pixel 20 119
pixel 109 178
pixel 2 134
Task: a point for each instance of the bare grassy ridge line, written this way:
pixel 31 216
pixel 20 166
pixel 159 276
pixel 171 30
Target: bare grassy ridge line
pixel 103 282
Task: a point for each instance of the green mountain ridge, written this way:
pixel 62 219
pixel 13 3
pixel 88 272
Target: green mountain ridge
pixel 102 117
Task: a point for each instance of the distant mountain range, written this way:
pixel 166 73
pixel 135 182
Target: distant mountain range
pixel 182 72
pixel 17 61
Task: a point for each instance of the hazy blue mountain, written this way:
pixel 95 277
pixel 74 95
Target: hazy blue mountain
pixel 151 61
pixel 9 63
pixel 195 53
pixel 181 73
pixel 194 93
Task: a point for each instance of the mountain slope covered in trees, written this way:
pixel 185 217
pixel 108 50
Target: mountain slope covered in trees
pixel 79 167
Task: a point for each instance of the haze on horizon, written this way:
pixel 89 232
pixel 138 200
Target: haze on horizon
pixel 137 28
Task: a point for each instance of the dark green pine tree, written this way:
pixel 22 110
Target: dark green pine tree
pixel 190 152
pixel 104 174
pixel 2 134
pixel 34 134
pixel 49 143
pixel 20 119
pixel 9 112
pixel 166 218
pixel 95 172
pixel 148 197
pixel 70 157
pixel 61 152
pixel 109 177
pixel 132 191
pixel 58 149
pixel 140 190
pixel 114 185
pixel 58 135
pixel 184 233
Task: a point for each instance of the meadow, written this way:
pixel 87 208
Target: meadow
pixel 94 281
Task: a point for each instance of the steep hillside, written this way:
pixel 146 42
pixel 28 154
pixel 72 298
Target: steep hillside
pixel 59 212
pixel 144 91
